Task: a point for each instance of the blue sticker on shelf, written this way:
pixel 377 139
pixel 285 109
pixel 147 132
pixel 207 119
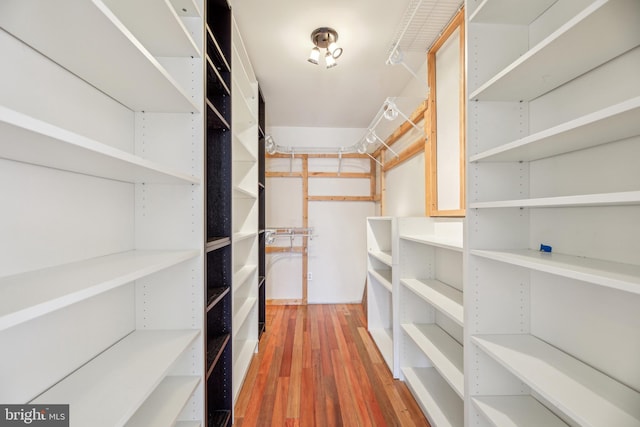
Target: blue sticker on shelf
pixel 545 248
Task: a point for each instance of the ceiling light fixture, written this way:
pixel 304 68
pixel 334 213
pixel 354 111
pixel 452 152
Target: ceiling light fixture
pixel 325 38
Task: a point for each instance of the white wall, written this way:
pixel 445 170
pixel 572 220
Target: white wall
pixel 405 184
pixel 337 259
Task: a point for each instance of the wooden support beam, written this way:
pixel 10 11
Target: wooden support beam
pixel 416 117
pixel 283 174
pixel 284 249
pixel 340 199
pixel 305 224
pixel 362 175
pixel 415 148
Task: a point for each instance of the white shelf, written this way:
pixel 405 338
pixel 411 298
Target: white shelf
pixel 242 193
pixel 241 276
pixel 625 277
pixel 112 59
pixel 188 424
pixel 237 237
pixel 584 394
pixel 445 242
pixel 509 11
pixel 442 297
pixel 241 315
pixel 164 35
pixel 46 145
pixel 586 200
pixel 29 295
pixel 383 277
pixel 614 123
pixel 242 361
pixel 186 8
pixel 124 376
pixel 443 351
pixel 384 340
pixel 242 152
pixel 516 411
pixel 163 407
pixel 440 404
pixel 384 257
pixel 548 65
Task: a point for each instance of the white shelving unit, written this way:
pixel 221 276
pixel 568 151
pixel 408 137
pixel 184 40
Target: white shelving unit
pixel 431 318
pixel 244 91
pixel 101 168
pixel 553 140
pixel 380 288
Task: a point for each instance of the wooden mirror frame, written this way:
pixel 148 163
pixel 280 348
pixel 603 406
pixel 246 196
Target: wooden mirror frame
pixel 431 147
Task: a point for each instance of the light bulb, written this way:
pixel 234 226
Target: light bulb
pixel 334 49
pixel 371 137
pixel 270 144
pixel 362 147
pixel 330 60
pixel 314 56
pixel 390 112
pixel 396 56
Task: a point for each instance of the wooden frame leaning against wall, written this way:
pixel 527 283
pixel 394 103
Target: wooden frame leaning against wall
pixel 445 147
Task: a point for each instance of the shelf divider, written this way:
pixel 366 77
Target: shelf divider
pixel 35 293
pixel 615 275
pixel 163 407
pixel 547 66
pixel 446 299
pixel 112 59
pixel 443 351
pixel 516 411
pixel 124 376
pixel 586 395
pixel 613 123
pixel 47 145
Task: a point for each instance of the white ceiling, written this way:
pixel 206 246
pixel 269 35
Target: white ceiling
pixel 277 33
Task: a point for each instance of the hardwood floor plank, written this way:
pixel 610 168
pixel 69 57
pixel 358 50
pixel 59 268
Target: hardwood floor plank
pixel 318 366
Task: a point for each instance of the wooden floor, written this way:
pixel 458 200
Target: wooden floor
pixel 318 366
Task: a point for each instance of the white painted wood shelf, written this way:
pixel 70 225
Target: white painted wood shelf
pixel 163 36
pixel 384 341
pixel 240 236
pixel 548 61
pixel 383 277
pixel 624 198
pixel 516 411
pixel 188 424
pixel 163 407
pixel 443 351
pixel 554 108
pixel 587 396
pixel 608 124
pixel 445 242
pixel 186 8
pixel 112 59
pixel 381 296
pixel 384 257
pixel 241 276
pixel 242 313
pixel 47 145
pixel 444 298
pixel 33 294
pixel 442 406
pixel 124 376
pixel 615 275
pixel 509 12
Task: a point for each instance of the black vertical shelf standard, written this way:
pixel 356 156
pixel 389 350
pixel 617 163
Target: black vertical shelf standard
pixel 261 217
pixel 218 269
